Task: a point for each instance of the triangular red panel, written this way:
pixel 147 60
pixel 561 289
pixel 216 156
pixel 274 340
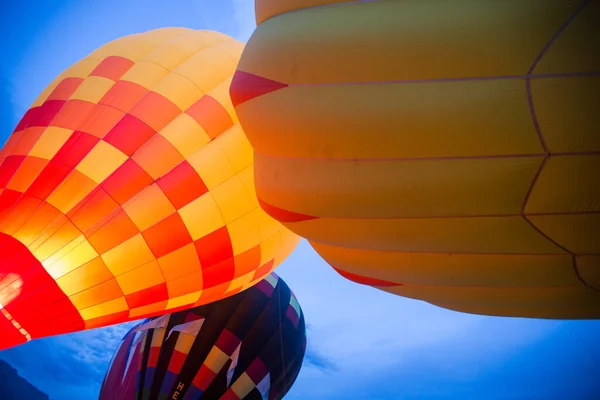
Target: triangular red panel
pixel 245 86
pixel 282 215
pixel 364 280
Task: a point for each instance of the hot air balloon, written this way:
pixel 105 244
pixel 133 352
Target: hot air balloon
pixel 446 151
pixel 127 190
pixel 248 346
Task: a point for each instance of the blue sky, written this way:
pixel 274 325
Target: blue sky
pixel 363 344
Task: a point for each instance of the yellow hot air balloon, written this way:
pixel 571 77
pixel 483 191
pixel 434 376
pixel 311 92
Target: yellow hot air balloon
pixel 447 151
pixel 127 190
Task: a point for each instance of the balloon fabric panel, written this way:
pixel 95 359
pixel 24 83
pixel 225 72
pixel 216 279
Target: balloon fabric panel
pixel 127 190
pixel 248 346
pixel 445 151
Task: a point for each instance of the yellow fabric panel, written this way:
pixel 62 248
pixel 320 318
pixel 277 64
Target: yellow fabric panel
pixel 127 255
pixel 216 359
pixel 106 308
pixel 150 309
pixel 80 69
pixel 102 161
pixel 243 385
pixel 267 8
pixel 185 134
pixel 242 281
pixel 180 90
pixel 145 74
pixel 342 121
pixel 392 42
pixel 511 235
pixel 577 128
pixel 565 179
pixel 71 191
pixel 221 94
pixel 190 42
pixel 140 278
pixel 444 269
pixel 175 302
pixel 86 276
pixel 576 48
pixel 77 255
pixel 184 343
pixel 237 150
pixel 212 164
pixel 232 199
pixel 197 67
pixel 403 188
pixel 202 216
pixel 589 271
pixel 181 262
pixel 93 89
pixel 167 56
pixel 577 233
pixel 447 146
pixel 244 231
pixel 549 302
pixel 51 140
pixel 148 207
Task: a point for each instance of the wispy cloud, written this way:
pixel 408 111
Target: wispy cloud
pixel 314 357
pixel 68 366
pixel 388 347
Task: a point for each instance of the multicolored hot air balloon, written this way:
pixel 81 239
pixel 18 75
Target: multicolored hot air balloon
pixel 446 151
pixel 249 346
pixel 127 190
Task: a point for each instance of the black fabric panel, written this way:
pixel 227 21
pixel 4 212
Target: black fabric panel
pixel 145 354
pixel 166 351
pixel 216 317
pixel 264 326
pixel 265 332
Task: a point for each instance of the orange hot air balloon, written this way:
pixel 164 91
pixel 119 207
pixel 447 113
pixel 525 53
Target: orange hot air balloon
pixel 127 190
pixel 444 150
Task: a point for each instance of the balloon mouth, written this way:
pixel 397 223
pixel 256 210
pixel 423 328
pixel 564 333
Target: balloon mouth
pixel 11 285
pixel 11 288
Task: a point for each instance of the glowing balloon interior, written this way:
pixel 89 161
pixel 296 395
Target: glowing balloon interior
pixel 127 190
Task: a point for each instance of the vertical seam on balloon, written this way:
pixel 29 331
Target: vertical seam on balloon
pixel 147 346
pixel 536 124
pixel 578 274
pixel 544 50
pixel 281 318
pixel 242 297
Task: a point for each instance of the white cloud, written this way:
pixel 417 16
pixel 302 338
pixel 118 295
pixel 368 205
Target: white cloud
pixel 95 347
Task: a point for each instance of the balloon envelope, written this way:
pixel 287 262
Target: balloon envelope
pixel 127 190
pixel 441 150
pixel 248 346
